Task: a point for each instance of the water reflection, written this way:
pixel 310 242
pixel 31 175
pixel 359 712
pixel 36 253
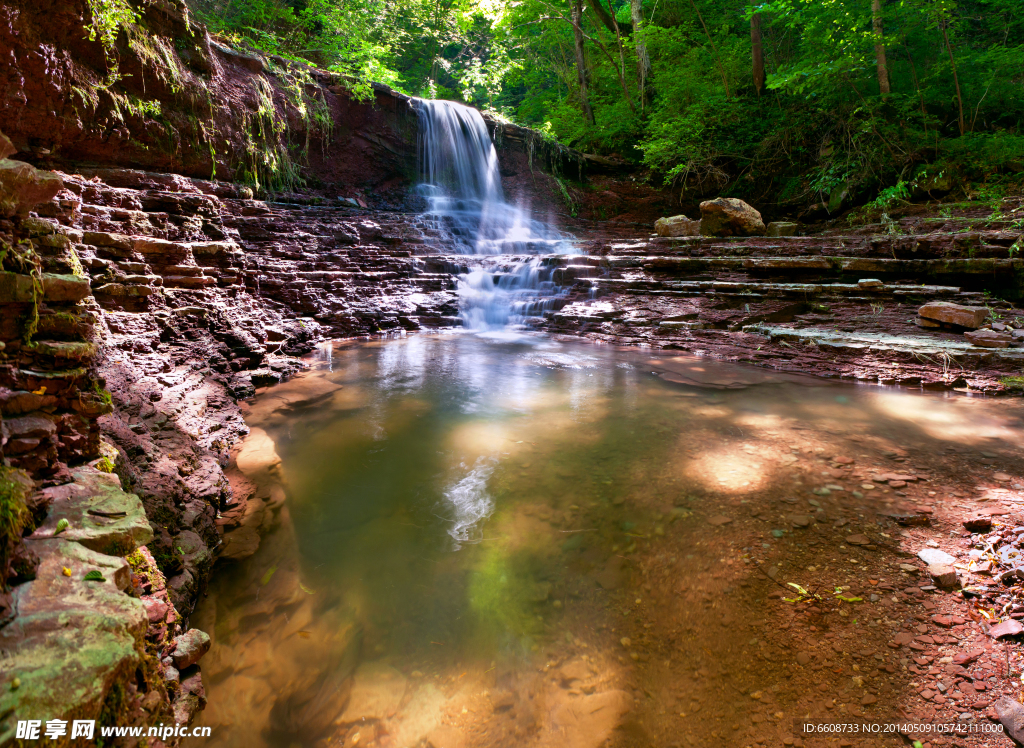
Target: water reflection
pixel 530 543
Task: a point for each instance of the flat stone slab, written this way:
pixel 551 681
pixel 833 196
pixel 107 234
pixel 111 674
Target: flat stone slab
pixel 861 341
pixel 71 640
pixel 934 556
pixel 99 514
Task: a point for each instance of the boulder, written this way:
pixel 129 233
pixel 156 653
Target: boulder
pixel 677 226
pixel 189 648
pixel 988 339
pixel 782 228
pixel 971 317
pixel 23 187
pixel 728 216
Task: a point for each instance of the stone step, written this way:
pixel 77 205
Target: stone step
pixel 801 290
pixel 958 351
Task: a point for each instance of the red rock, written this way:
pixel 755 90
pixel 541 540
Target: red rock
pixel 944 621
pixel 978 524
pixel 927 694
pixel 1006 628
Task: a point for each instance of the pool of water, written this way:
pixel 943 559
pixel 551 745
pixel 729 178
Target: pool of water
pixel 507 540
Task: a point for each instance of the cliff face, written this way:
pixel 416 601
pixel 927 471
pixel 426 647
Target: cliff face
pixel 169 98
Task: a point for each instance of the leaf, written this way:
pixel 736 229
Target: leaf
pixel 267 577
pixel 62 525
pixel 66 571
pixel 306 589
pixel 798 588
pixel 94 576
pixel 40 391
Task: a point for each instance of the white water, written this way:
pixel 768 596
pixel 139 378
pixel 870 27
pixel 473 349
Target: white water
pixel 466 205
pixel 470 503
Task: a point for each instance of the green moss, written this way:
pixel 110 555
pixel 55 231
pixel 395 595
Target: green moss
pixel 1013 384
pixel 14 516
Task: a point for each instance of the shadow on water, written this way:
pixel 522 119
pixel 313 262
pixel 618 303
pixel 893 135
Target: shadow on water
pixel 522 542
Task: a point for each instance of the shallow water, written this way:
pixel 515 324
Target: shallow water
pixel 505 540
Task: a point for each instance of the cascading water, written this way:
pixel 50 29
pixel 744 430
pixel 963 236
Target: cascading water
pixel 466 205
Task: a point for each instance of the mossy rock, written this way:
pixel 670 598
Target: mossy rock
pixel 73 640
pixel 100 515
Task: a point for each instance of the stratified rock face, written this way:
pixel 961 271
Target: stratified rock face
pixel 728 216
pixel 971 317
pixel 677 226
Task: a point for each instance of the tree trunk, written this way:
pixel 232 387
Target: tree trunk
pixel 643 60
pixel 757 51
pixel 582 73
pixel 883 68
pixel 609 20
pixel 956 80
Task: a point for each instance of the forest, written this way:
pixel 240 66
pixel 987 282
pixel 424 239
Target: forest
pixel 833 100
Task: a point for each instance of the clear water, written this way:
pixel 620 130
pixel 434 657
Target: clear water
pixel 471 542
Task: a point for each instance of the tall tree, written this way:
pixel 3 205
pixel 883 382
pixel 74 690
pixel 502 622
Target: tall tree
pixel 880 63
pixel 643 59
pixel 757 51
pixel 582 74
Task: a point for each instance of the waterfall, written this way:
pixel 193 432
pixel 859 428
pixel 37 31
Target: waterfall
pixel 466 207
pixel 462 185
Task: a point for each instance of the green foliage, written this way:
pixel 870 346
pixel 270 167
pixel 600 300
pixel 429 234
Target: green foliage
pixel 820 131
pixel 109 17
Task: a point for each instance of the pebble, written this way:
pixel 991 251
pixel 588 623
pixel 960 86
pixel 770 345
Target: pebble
pixel 935 556
pixel 1009 627
pixel 978 524
pixel 801 520
pixel 718 520
pixel 858 540
pixel 1001 477
pixel 803 658
pixel 625 642
pixel 868 700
